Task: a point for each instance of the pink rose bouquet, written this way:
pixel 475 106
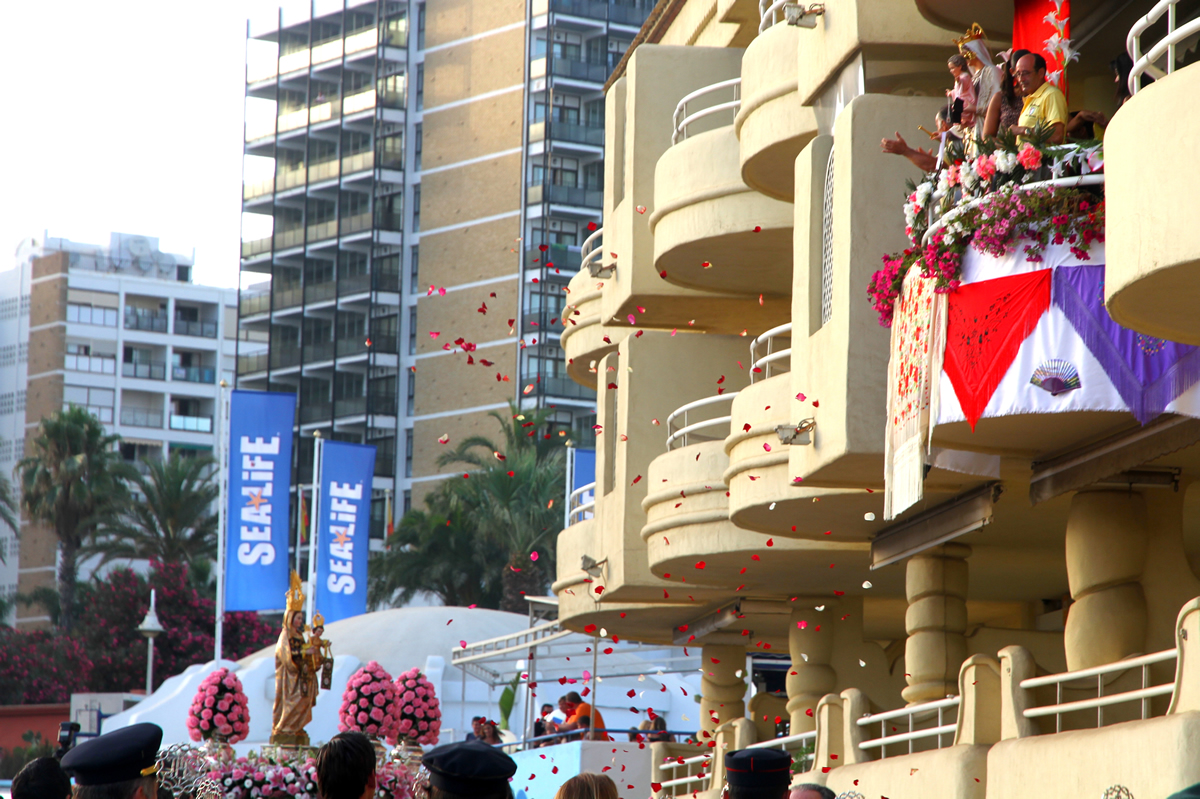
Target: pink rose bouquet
pixel 1029 157
pixel 369 703
pixel 420 716
pixel 219 707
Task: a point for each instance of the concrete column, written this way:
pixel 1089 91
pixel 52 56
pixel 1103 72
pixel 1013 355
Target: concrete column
pixel 722 691
pixel 1106 555
pixel 936 586
pixel 810 642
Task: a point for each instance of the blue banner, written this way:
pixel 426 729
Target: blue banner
pixel 343 529
pixel 260 478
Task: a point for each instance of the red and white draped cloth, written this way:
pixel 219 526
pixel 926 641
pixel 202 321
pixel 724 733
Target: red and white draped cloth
pixel 918 341
pixel 1040 26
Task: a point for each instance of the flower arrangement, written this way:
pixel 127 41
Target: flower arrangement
pixel 219 708
pixel 252 777
pixel 417 708
pixel 369 703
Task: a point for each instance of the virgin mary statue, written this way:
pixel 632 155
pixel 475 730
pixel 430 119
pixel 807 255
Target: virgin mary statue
pixel 295 679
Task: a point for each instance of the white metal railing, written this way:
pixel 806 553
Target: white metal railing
pixel 679 435
pixel 1093 179
pixel 1144 695
pixel 1143 63
pixel 926 710
pixel 581 501
pixel 671 787
pixel 792 744
pixel 770 13
pixel 592 250
pixel 681 119
pixel 773 356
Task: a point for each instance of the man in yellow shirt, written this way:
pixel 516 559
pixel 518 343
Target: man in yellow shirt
pixel 1044 104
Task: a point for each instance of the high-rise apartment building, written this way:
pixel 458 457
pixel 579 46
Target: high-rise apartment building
pixel 430 172
pixel 122 331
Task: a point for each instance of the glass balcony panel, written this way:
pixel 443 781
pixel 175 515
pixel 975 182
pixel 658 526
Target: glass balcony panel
pixel 322 231
pixel 284 355
pixel 293 61
pixel 315 412
pixel 352 346
pixel 152 322
pixel 320 291
pixel 192 424
pixel 387 281
pixel 358 162
pixel 566 195
pixel 257 189
pixel 351 406
pixel 359 102
pixel 560 256
pixel 288 238
pixel 353 224
pixel 95 364
pixel 136 417
pixel 579 70
pixel 248 364
pixel 149 370
pixel 194 374
pixel 355 284
pixel 362 41
pixel 184 327
pixel 250 304
pixel 289 297
pixel 256 247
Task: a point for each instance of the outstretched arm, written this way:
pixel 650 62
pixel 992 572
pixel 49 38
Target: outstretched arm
pixel 924 160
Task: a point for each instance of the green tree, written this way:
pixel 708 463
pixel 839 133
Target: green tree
pixel 9 510
pixel 437 552
pixel 172 520
pixel 514 498
pixel 72 482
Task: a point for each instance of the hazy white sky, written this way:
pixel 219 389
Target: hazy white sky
pixel 126 115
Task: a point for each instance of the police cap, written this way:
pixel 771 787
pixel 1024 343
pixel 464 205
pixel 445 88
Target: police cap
pixel 469 768
pixel 119 756
pixel 759 768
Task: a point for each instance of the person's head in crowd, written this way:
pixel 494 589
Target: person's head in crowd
pixel 1121 66
pixel 588 785
pixel 346 767
pixel 489 733
pixel 957 64
pixel 574 698
pixel 122 764
pixel 41 779
pixel 1030 73
pixel 564 705
pixel 1008 77
pixel 477 725
pixel 547 709
pixel 467 770
pixel 758 774
pixel 810 790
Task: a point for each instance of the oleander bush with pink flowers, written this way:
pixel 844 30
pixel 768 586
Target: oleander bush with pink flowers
pixel 369 703
pixel 418 709
pixel 219 708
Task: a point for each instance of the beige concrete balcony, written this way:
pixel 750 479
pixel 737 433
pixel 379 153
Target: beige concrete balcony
pixel 1152 277
pixel 638 132
pixel 585 339
pixel 772 126
pixel 713 232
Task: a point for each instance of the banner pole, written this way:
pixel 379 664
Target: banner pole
pixel 299 523
pixel 222 519
pixel 312 528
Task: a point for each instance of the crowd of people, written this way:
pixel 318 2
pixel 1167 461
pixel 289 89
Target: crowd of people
pixel 1012 94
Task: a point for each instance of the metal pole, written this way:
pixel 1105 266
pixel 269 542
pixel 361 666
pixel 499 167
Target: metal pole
pixel 299 524
pixel 595 690
pixel 222 501
pixel 149 666
pixel 312 529
pixel 462 706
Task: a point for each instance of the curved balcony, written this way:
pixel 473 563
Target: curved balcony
pixel 711 231
pixel 771 353
pixel 772 125
pixel 996 16
pixel 581 504
pixel 1152 278
pixel 584 339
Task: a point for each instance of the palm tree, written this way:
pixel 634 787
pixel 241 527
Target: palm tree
pixel 9 510
pixel 436 552
pixel 72 483
pixel 510 498
pixel 173 521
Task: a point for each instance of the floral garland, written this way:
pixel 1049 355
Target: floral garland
pixel 994 214
pixel 253 777
pixel 369 703
pixel 219 707
pixel 418 709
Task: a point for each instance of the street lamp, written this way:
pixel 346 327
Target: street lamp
pixel 150 628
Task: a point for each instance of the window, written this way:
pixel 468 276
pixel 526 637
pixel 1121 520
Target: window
pixel 89 315
pixel 414 271
pixel 408 452
pixel 412 330
pixel 7 403
pixel 407 501
pixel 567 50
pixel 563 172
pixel 418 141
pixel 420 86
pixel 594 114
pixel 421 27
pixel 416 208
pixel 412 392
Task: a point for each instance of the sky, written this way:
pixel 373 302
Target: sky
pixel 127 116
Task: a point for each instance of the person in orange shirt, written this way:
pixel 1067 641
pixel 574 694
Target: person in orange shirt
pixel 582 716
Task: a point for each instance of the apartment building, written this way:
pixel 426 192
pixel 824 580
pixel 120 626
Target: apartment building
pixel 122 331
pixel 428 175
pixel 940 583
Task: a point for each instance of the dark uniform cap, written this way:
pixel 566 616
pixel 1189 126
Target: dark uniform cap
pixel 469 768
pixel 759 768
pixel 118 756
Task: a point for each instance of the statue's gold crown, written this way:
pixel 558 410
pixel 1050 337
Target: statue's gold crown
pixel 295 595
pixel 974 32
pixel 318 620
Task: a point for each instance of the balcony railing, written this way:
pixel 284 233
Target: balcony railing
pixel 354 284
pixel 96 364
pixel 567 131
pixel 681 431
pixel 383 403
pixel 581 504
pixel 558 387
pixel 384 343
pixel 194 374
pixel 1166 46
pixel 630 15
pixel 322 111
pixel 592 251
pixel 315 412
pixel 579 70
pixel 284 355
pixel 923 712
pixel 776 359
pixel 184 327
pixel 317 352
pixel 248 364
pixel 145 370
pixel 356 223
pixel 154 322
pixel 317 292
pixel 89 315
pixel 350 406
pixel 386 281
pixel 559 256
pixel 192 424
pixel 681 119
pixel 565 195
pixel 289 297
pixel 136 417
pixel 251 304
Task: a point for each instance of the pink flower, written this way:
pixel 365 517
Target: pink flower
pixel 985 167
pixel 362 718
pixel 376 714
pixel 1029 156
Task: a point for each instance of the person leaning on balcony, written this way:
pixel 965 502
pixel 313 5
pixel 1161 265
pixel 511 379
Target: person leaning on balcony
pixel 757 774
pixel 580 715
pixel 1004 109
pixel 1044 103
